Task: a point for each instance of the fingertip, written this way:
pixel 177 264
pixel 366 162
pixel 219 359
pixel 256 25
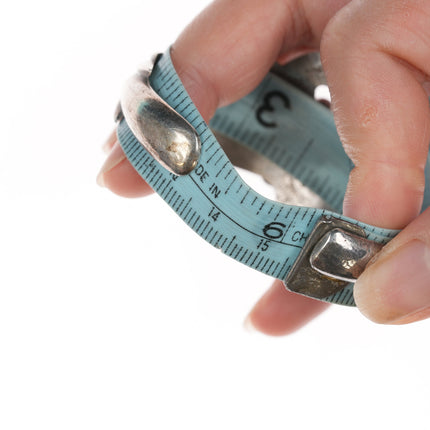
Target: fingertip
pixel 120 177
pixel 248 324
pixel 280 312
pixel 395 289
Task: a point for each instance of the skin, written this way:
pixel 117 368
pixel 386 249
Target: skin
pixel 376 55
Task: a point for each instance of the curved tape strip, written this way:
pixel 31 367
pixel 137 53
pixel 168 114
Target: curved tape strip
pixel 285 125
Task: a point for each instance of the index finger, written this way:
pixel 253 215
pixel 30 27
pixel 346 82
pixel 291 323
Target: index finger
pixel 224 54
pixel 376 60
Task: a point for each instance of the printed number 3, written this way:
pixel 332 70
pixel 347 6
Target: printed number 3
pixel 268 107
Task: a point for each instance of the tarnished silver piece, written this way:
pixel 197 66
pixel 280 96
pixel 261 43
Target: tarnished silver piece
pixel 342 255
pixel 305 72
pixel 330 251
pixel 165 134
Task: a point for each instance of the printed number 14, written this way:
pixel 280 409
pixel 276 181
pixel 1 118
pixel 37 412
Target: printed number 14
pixel 214 213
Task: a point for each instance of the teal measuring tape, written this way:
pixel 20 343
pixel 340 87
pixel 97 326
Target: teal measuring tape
pixel 314 251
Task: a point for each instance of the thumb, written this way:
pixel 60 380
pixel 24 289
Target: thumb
pixel 395 288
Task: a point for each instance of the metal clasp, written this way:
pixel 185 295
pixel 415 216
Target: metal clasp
pixel 165 134
pixel 334 255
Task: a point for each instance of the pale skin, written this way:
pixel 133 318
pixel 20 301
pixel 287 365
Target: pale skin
pixel 376 55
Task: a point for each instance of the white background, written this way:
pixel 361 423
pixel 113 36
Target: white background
pixel 113 314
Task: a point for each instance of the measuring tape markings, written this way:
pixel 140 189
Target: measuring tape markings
pixel 191 210
pixel 215 202
pixel 302 143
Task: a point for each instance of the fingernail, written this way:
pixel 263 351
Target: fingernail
pixel 109 143
pixel 248 325
pixel 397 286
pixel 115 157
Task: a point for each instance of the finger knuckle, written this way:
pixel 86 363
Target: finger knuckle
pixel 336 36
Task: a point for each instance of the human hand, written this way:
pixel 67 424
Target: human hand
pixel 376 58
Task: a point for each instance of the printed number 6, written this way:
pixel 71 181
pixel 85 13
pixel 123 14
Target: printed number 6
pixel 274 230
